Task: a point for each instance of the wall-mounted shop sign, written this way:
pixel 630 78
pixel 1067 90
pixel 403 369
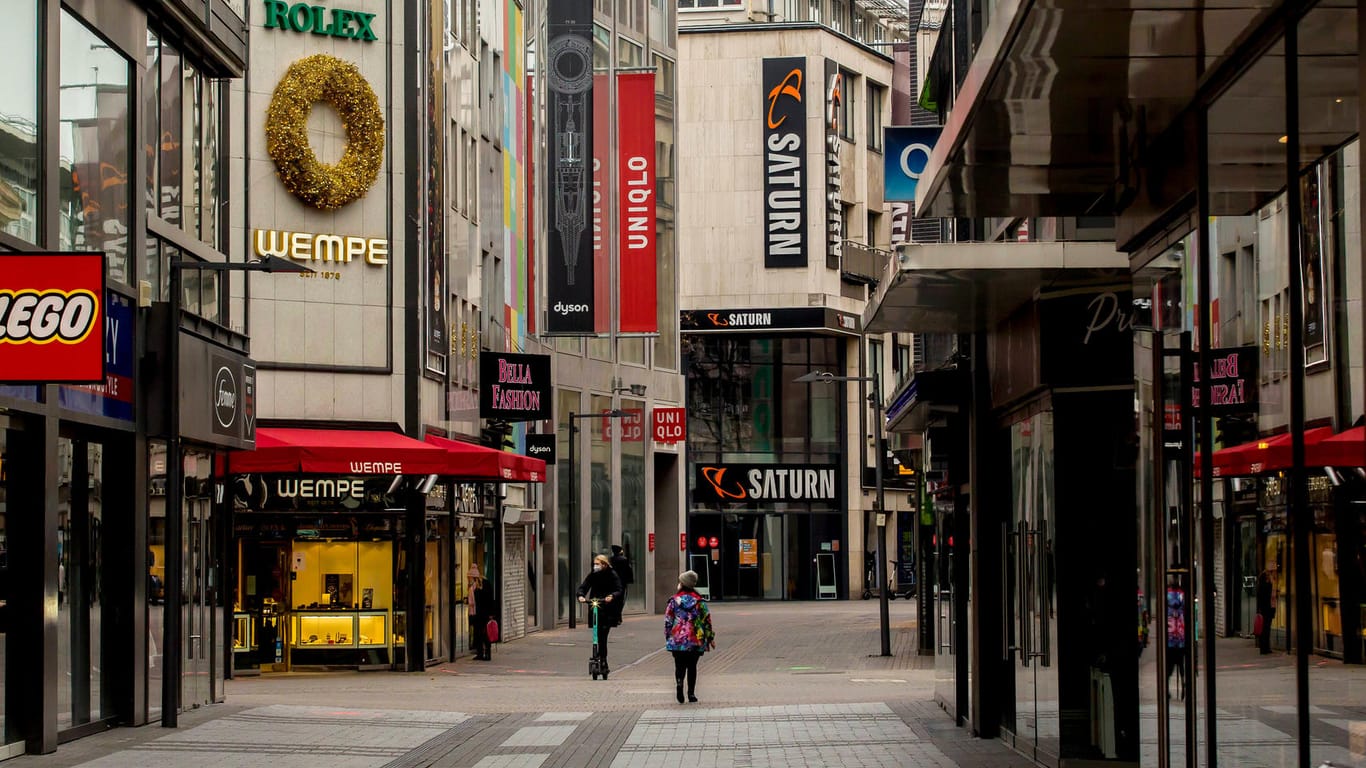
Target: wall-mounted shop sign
pixel 306 246
pixel 514 387
pixel 670 425
pixel 1232 381
pixel 318 493
pixel 731 483
pixel 541 447
pixel 778 319
pixel 52 312
pixel 905 153
pixel 784 123
pixel 319 20
pixel 114 396
pixel 834 185
pixel 217 394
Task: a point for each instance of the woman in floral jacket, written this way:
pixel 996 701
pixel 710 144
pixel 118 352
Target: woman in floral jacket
pixel 687 632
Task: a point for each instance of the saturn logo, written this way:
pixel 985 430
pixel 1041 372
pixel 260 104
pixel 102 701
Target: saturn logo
pixel 716 476
pixel 785 88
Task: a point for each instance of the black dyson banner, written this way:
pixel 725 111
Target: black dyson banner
pixel 784 122
pixel 569 262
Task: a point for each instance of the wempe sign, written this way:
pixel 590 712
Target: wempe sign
pixel 731 483
pixel 784 121
pixel 514 387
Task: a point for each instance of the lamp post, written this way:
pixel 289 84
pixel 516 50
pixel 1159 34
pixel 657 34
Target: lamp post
pixel 615 413
pixel 172 652
pixel 876 398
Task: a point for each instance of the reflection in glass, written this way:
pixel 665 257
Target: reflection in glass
pixel 170 136
pixel 94 141
pixel 633 501
pixel 19 157
pixel 565 577
pixel 600 478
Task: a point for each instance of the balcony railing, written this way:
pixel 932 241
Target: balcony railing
pixel 863 264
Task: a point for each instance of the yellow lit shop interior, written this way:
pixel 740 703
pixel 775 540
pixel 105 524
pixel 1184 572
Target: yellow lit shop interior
pixel 327 595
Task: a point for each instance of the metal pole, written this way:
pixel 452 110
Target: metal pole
pixel 573 520
pixel 1300 516
pixel 170 608
pixel 885 621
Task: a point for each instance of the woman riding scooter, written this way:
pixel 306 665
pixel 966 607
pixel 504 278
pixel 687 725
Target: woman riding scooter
pixel 603 584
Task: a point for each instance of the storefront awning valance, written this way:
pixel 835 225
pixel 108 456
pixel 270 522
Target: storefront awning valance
pixel 1266 455
pixel 338 451
pixel 477 462
pixel 1343 450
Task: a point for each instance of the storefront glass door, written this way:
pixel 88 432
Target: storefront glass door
pixel 81 690
pixel 1037 726
pixel 199 624
pixel 6 584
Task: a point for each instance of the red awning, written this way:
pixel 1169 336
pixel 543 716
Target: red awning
pixel 1265 455
pixel 1343 450
pixel 338 452
pixel 468 460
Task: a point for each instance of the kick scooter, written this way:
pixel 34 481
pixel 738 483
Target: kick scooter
pixel 595 665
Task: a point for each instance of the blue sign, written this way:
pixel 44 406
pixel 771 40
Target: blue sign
pixel 905 153
pixel 113 398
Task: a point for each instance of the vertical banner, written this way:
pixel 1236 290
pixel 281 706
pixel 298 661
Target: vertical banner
pixel 901 223
pixel 602 214
pixel 438 345
pixel 638 291
pixel 1311 269
pixel 784 148
pixel 834 203
pixel 514 179
pixel 531 308
pixel 569 105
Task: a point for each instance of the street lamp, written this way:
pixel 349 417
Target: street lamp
pixel 615 413
pixel 171 624
pixel 826 377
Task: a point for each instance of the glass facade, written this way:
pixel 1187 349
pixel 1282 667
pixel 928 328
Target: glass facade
pixel 633 502
pixel 20 167
pixel 1250 560
pixel 745 409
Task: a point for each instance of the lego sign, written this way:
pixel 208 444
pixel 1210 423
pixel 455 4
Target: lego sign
pixel 669 425
pixel 52 318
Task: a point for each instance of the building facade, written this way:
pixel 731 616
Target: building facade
pixel 342 216
pixel 1164 353
pixel 104 94
pixel 782 110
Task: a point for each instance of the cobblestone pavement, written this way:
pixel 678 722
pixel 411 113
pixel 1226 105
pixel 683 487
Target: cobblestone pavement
pixel 790 685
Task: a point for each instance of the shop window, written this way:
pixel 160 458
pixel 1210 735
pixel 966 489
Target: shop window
pixel 629 53
pixel 94 135
pixel 19 153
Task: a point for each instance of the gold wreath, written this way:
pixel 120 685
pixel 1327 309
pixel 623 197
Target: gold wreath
pixel 306 82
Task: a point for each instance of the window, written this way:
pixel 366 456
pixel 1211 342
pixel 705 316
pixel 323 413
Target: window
pixel 876 94
pixel 602 48
pixel 629 54
pixel 19 123
pixel 847 104
pixel 702 5
pixel 95 134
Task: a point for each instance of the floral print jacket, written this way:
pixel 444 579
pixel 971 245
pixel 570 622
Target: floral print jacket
pixel 687 623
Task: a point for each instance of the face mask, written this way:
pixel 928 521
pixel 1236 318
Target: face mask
pixel 597 566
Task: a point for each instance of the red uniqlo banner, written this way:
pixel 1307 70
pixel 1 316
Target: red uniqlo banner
pixel 52 318
pixel 670 425
pixel 602 191
pixel 638 292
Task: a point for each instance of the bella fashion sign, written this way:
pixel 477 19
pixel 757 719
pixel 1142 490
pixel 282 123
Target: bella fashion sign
pixel 514 387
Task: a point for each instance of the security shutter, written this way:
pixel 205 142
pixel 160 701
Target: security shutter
pixel 513 623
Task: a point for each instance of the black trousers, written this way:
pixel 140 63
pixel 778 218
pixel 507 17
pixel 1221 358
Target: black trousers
pixel 604 629
pixel 479 638
pixel 685 663
pixel 1264 639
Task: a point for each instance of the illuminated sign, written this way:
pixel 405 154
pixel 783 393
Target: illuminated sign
pixel 306 246
pixel 52 318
